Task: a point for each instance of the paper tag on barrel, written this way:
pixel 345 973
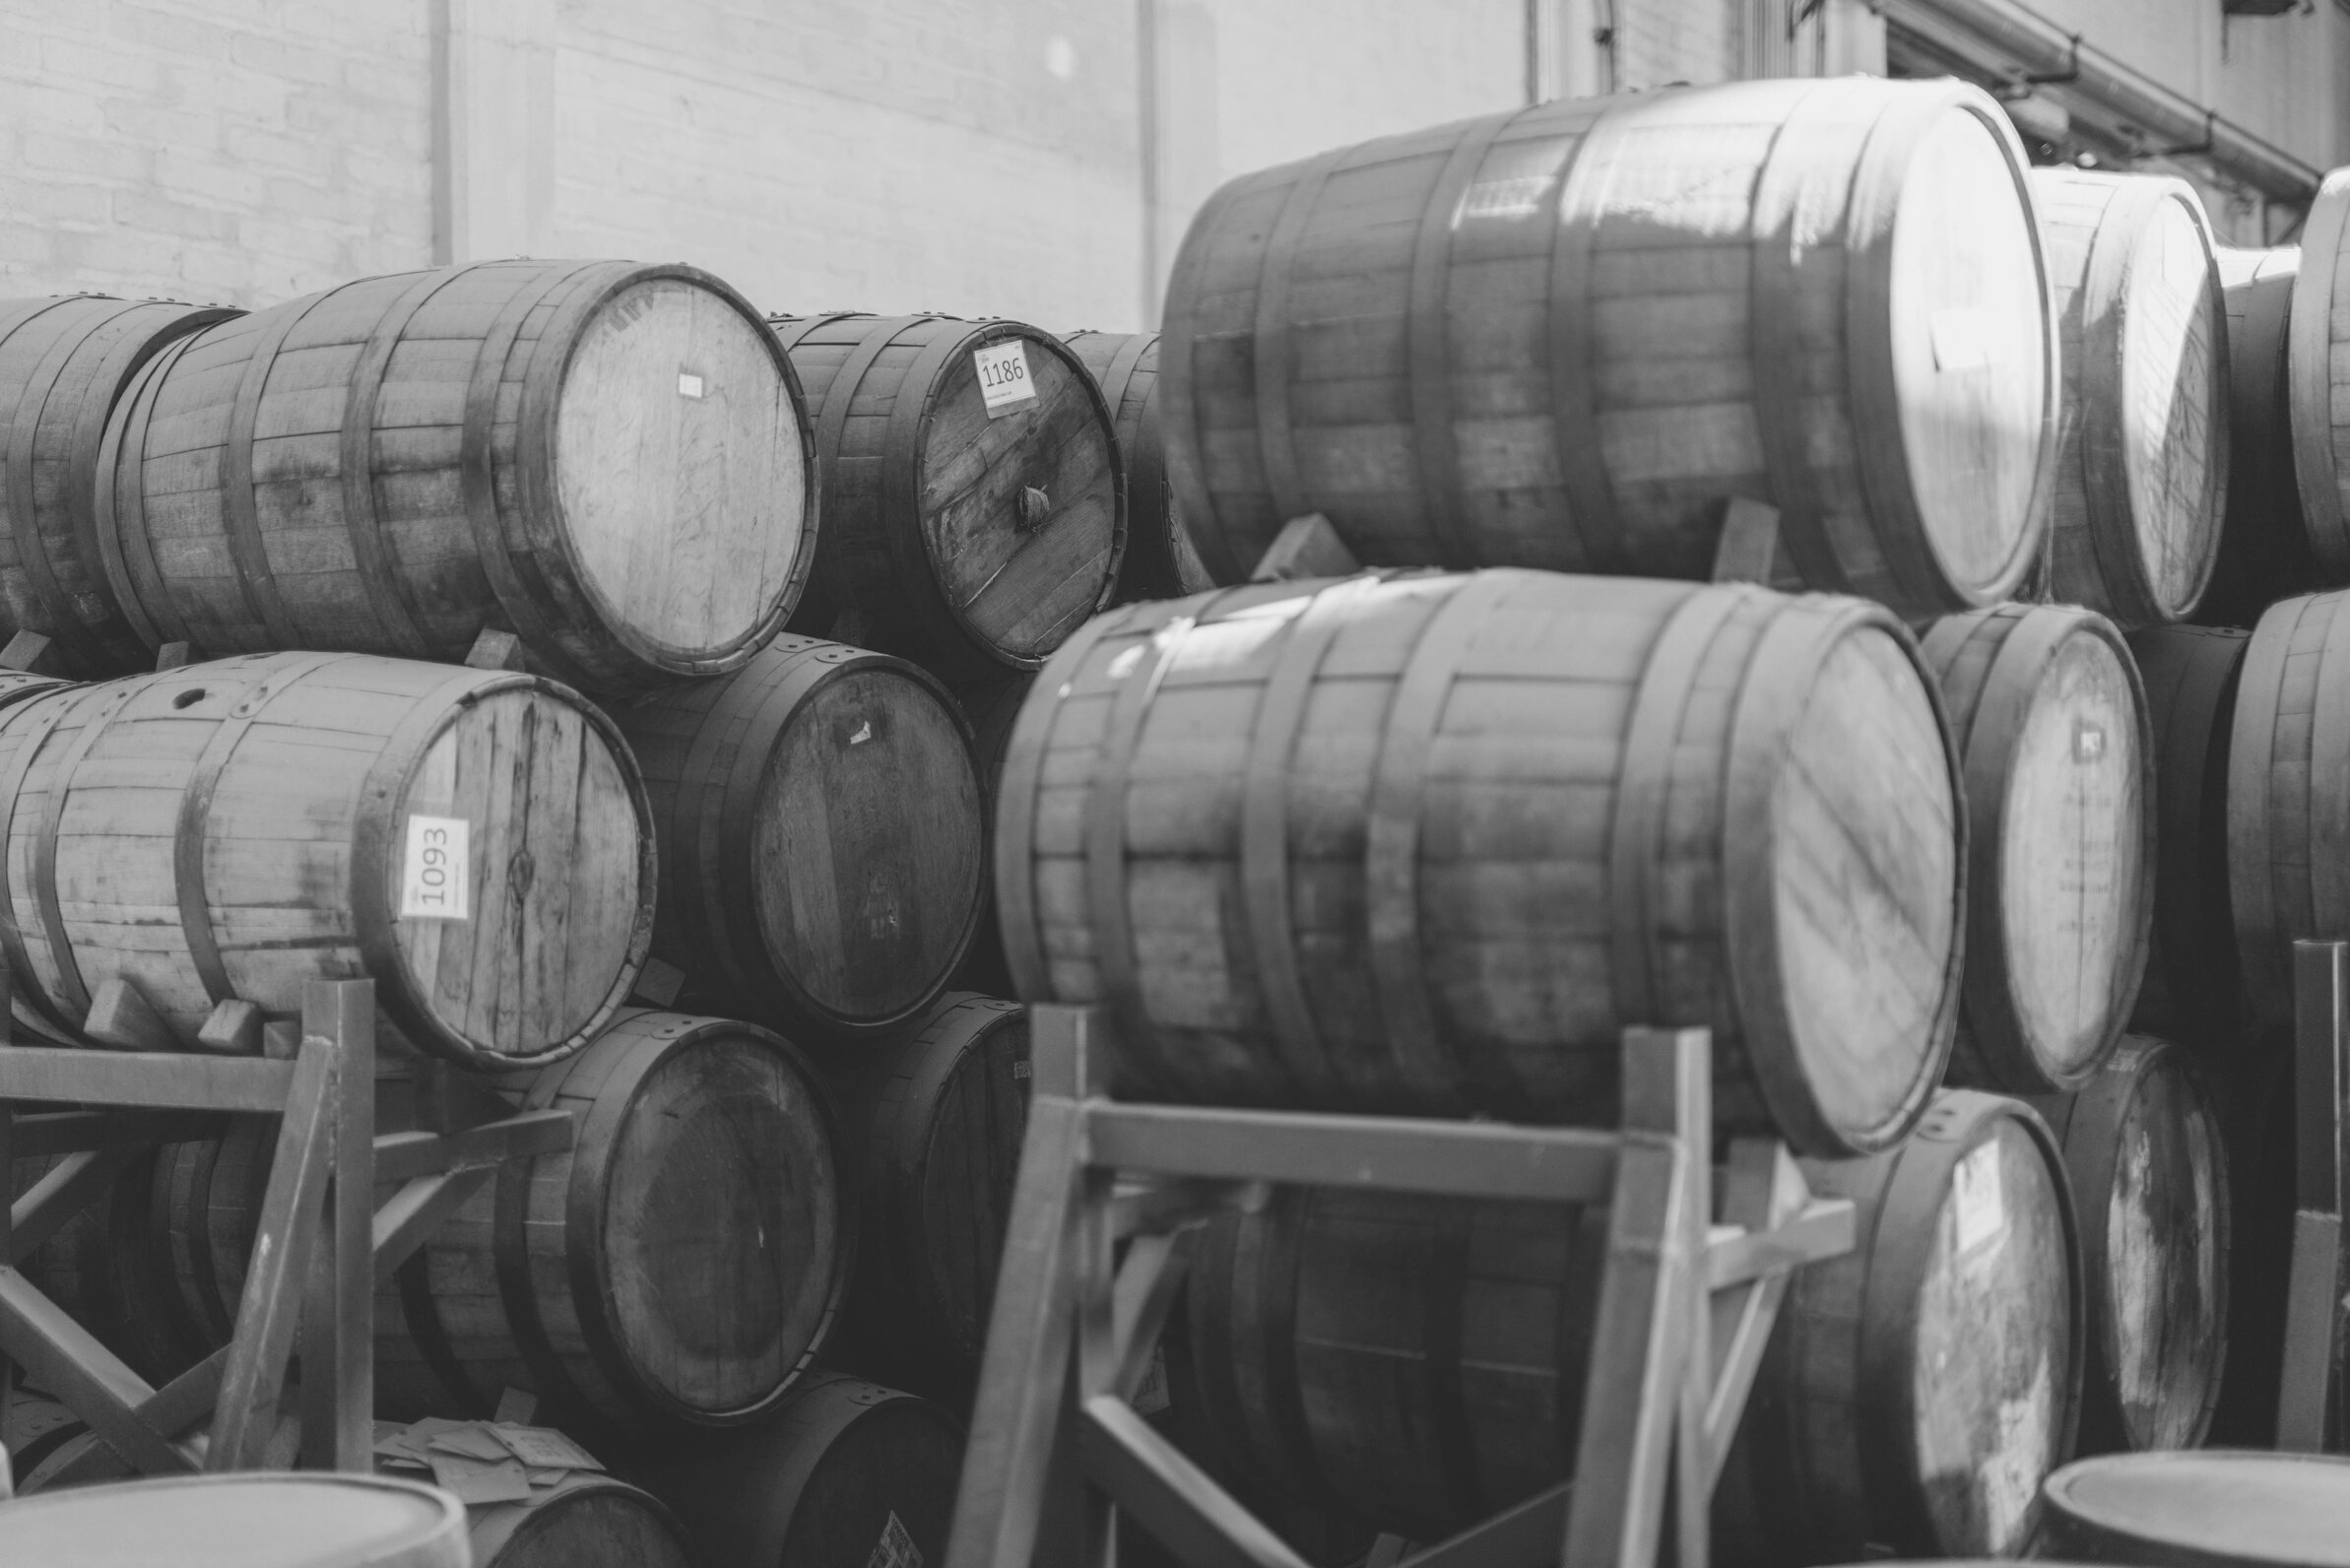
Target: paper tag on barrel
pixel 1003 377
pixel 433 872
pixel 895 1548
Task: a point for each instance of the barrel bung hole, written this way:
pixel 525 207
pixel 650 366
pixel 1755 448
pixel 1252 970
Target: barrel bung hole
pixel 188 699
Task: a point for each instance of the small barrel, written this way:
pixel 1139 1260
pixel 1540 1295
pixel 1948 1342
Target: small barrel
pixel 2216 1509
pixel 1564 335
pixel 974 501
pixel 935 1123
pixel 1918 1390
pixel 822 836
pixel 584 1521
pixel 1403 845
pixel 2143 1147
pixel 2289 793
pixel 2191 992
pixel 2317 378
pixel 1162 562
pixel 63 363
pixel 610 460
pixel 2264 546
pixel 1416 1362
pixel 477 841
pixel 849 1474
pixel 278 1518
pixel 991 708
pixel 2141 473
pixel 676 1267
pixel 2049 724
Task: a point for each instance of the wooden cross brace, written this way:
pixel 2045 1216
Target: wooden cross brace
pixel 1685 1306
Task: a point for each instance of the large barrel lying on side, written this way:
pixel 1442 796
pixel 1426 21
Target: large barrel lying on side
pixel 2050 725
pixel 2207 1510
pixel 676 1267
pixel 63 361
pixel 475 840
pixel 1428 844
pixel 823 837
pixel 608 459
pixel 1917 1390
pixel 1565 335
pixel 935 1122
pixel 849 1474
pixel 2143 469
pixel 2142 1144
pixel 584 1521
pixel 2317 378
pixel 1162 562
pixel 2289 793
pixel 974 501
pixel 2192 992
pixel 2265 548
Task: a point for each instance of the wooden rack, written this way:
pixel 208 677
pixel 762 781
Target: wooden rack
pixel 1686 1305
pixel 321 1250
pixel 2309 1410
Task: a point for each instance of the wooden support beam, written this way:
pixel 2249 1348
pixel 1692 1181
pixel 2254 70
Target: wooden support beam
pixel 66 1359
pixel 172 1081
pixel 1173 1498
pixel 495 650
pixel 2308 1399
pixel 31 653
pixel 416 1211
pixel 232 1029
pixel 40 1134
pixel 656 983
pixel 1307 547
pixel 400 1156
pixel 121 1017
pixel 339 1318
pixel 1527 1533
pixel 67 1187
pixel 1148 1285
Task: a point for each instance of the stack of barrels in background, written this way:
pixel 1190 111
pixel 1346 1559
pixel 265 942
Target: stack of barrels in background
pixel 712 907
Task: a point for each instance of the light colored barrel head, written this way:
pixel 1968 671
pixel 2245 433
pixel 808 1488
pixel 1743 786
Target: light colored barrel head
pixel 244 1521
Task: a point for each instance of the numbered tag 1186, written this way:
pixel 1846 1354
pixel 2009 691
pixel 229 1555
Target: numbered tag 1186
pixel 1003 379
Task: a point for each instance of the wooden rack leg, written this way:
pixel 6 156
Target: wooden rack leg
pixel 2307 1396
pixel 338 1324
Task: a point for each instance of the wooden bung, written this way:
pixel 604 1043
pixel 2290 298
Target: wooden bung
pixel 1428 843
pixel 2202 1510
pixel 677 1267
pixel 63 363
pixel 2192 992
pixel 933 1124
pixel 2143 468
pixel 1562 336
pixel 1918 1390
pixel 232 830
pixel 609 460
pixel 848 1474
pixel 974 501
pixel 1162 562
pixel 2143 1144
pixel 2048 723
pixel 823 837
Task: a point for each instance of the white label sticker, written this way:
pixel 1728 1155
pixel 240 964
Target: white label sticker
pixel 689 384
pixel 2088 741
pixel 861 734
pixel 1974 1196
pixel 1964 338
pixel 895 1548
pixel 433 874
pixel 1003 376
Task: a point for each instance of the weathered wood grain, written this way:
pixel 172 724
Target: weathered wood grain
pixel 1162 562
pixel 2264 551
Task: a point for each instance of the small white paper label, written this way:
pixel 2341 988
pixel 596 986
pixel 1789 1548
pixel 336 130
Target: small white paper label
pixel 689 384
pixel 895 1548
pixel 1980 1208
pixel 1964 339
pixel 1003 376
pixel 2088 741
pixel 434 873
pixel 861 734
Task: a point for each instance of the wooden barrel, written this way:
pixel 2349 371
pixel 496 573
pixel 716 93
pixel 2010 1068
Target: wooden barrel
pixel 974 502
pixel 104 1270
pixel 935 1123
pixel 676 1267
pixel 2192 991
pixel 2318 380
pixel 2264 546
pixel 1917 1390
pixel 2050 726
pixel 1162 562
pixel 822 836
pixel 992 706
pixel 205 1212
pixel 2143 469
pixel 2289 793
pixel 850 1475
pixel 2203 1510
pixel 1403 845
pixel 32 1431
pixel 256 1520
pixel 2143 1144
pixel 63 361
pixel 1417 1362
pixel 585 1521
pixel 1563 336
pixel 237 828
pixel 608 459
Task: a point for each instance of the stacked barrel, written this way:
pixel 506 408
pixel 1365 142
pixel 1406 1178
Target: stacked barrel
pixel 1424 843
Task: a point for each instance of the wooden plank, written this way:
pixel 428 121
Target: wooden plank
pixel 173 656
pixel 1148 1285
pixel 31 653
pixel 1749 550
pixel 44 1133
pixel 1825 1229
pixel 402 1157
pixel 409 1215
pixel 495 650
pixel 339 1320
pixel 62 1192
pixel 174 1081
pixel 183 1403
pixel 1468 1159
pixel 1741 1331
pixel 232 1029
pixel 121 1017
pixel 1170 1496
pixel 66 1359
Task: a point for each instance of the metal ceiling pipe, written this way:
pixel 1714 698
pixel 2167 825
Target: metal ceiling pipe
pixel 2039 47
